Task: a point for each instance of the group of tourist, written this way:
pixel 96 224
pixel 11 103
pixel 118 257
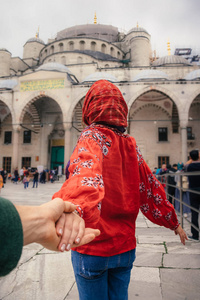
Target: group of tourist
pixel 175 177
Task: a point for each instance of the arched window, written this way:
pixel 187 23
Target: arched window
pixel 52 50
pixel 93 46
pixel 61 47
pixel 118 55
pixel 45 52
pixel 63 60
pixel 79 60
pixel 71 46
pixel 82 45
pixel 103 48
pixel 112 51
pixel 49 60
pixel 106 66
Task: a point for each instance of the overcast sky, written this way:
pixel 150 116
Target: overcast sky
pixel 176 20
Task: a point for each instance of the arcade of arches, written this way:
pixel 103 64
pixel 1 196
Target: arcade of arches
pixel 46 135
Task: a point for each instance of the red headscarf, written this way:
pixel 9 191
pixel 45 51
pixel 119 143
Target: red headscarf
pixel 104 103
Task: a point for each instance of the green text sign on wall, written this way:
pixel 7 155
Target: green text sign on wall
pixel 38 85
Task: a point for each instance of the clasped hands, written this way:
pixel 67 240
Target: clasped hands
pixel 69 229
pixel 55 226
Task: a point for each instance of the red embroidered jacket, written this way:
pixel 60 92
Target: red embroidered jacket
pixel 110 181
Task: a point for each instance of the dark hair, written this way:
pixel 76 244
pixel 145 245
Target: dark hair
pixel 175 165
pixel 194 154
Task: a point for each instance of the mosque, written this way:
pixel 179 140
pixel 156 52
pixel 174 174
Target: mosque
pixel 41 95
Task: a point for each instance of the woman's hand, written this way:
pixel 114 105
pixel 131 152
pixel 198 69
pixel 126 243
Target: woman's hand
pixel 183 236
pixel 71 228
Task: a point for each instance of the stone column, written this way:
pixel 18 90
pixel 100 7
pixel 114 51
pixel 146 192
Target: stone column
pixel 183 127
pixel 43 147
pixel 15 141
pixel 67 128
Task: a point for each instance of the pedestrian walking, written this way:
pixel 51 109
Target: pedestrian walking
pixel 25 182
pixel 35 178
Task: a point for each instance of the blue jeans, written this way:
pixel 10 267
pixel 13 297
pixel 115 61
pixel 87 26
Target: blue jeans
pixel 35 182
pixel 26 184
pixel 103 278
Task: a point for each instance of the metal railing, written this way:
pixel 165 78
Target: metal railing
pixel 181 185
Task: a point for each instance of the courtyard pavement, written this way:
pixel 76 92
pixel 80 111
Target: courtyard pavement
pixel 164 269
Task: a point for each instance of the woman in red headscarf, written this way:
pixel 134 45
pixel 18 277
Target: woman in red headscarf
pixel 109 182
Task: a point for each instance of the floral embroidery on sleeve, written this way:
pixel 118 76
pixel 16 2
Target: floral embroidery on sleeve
pixel 142 187
pixel 156 213
pixel 76 171
pixel 82 149
pixel 144 208
pixel 87 164
pixel 149 193
pixel 139 155
pixel 93 182
pixel 94 134
pixel 157 199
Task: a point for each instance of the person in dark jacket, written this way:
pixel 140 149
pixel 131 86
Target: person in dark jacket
pixel 194 184
pixel 171 181
pixel 35 178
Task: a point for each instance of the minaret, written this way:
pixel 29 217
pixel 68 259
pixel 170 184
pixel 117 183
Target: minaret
pixel 37 33
pixel 95 18
pixel 168 47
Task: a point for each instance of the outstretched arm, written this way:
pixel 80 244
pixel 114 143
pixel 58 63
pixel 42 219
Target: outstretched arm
pixel 39 223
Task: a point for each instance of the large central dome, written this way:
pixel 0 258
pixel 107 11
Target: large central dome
pixel 106 32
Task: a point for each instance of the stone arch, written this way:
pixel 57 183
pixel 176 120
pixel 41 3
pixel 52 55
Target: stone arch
pixel 74 103
pixel 176 109
pixel 52 49
pixel 12 112
pixel 150 105
pixel 93 46
pixel 71 46
pixel 112 51
pixel 191 98
pixel 63 60
pixel 103 48
pixel 82 45
pixel 61 47
pixel 79 59
pixel 35 96
pixel 160 89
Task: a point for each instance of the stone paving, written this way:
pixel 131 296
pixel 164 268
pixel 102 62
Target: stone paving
pixel 164 269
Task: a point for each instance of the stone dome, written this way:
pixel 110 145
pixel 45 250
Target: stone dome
pixel 100 75
pixel 106 32
pixel 35 39
pixel 53 66
pixel 151 74
pixel 193 75
pixel 171 60
pixel 137 29
pixel 8 84
pixel 4 49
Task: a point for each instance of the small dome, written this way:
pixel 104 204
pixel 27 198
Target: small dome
pixel 98 76
pixel 53 66
pixel 8 84
pixel 35 39
pixel 151 74
pixel 171 60
pixel 193 75
pixel 137 29
pixel 4 49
